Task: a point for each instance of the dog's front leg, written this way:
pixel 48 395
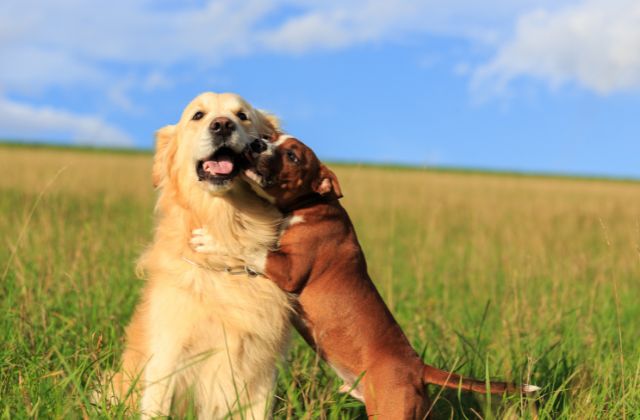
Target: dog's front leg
pixel 159 386
pixel 167 338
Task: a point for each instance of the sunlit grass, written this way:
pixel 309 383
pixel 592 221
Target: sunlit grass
pixel 530 279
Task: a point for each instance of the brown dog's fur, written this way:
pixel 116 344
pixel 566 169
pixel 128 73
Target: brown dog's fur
pixel 342 314
pixel 198 330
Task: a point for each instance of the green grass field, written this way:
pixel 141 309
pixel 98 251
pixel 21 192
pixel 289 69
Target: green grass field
pixel 518 278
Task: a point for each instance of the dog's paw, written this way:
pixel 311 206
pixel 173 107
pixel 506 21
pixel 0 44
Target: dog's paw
pixel 344 389
pixel 349 389
pixel 202 242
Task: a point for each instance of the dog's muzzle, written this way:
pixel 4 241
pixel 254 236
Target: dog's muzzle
pixel 221 166
pixel 221 128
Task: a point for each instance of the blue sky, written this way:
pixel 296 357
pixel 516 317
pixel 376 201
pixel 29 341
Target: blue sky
pixel 533 85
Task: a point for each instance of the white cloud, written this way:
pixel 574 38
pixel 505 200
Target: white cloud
pixel 30 69
pixel 155 80
pixel 117 49
pixel 336 24
pixel 76 44
pixel 28 122
pixel 73 43
pixel 342 24
pixel 595 44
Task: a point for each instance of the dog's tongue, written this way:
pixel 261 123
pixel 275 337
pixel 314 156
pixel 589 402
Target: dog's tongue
pixel 222 165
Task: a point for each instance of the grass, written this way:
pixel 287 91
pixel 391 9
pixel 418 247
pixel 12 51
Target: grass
pixel 518 278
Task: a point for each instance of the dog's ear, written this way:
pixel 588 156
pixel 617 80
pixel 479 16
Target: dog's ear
pixel 270 124
pixel 273 120
pixel 162 159
pixel 328 185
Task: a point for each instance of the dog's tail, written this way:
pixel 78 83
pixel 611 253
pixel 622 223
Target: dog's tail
pixel 435 376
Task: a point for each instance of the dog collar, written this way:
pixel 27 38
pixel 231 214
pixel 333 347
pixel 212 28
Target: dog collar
pixel 233 271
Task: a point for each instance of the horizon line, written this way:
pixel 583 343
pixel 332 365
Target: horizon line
pixel 344 162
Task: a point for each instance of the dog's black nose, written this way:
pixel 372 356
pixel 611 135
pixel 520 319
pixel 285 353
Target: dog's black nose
pixel 222 126
pixel 258 146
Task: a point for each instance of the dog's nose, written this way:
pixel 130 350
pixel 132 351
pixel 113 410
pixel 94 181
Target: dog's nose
pixel 222 126
pixel 258 146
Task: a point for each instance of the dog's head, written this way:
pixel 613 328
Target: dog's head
pixel 205 147
pixel 287 172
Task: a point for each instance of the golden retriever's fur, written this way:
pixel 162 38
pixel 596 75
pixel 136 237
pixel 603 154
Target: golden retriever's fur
pixel 198 330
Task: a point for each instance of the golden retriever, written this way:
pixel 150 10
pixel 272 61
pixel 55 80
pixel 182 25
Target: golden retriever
pixel 201 329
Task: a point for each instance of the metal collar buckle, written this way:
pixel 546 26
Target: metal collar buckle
pixel 245 269
pixel 233 271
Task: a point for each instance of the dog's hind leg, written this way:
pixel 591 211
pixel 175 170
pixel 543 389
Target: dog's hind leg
pixel 393 391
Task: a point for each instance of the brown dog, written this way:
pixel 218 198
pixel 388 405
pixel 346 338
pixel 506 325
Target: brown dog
pixel 343 316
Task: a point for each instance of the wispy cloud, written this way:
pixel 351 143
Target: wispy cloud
pixel 119 49
pixel 594 44
pixel 70 42
pixel 27 122
pixel 84 39
pixel 108 50
pixel 334 24
pixel 343 24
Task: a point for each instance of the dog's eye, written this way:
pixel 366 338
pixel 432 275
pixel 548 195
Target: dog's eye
pixel 198 115
pixel 242 116
pixel 292 157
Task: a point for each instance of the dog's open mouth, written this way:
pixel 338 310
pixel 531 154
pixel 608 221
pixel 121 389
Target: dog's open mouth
pixel 221 166
pixel 255 176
